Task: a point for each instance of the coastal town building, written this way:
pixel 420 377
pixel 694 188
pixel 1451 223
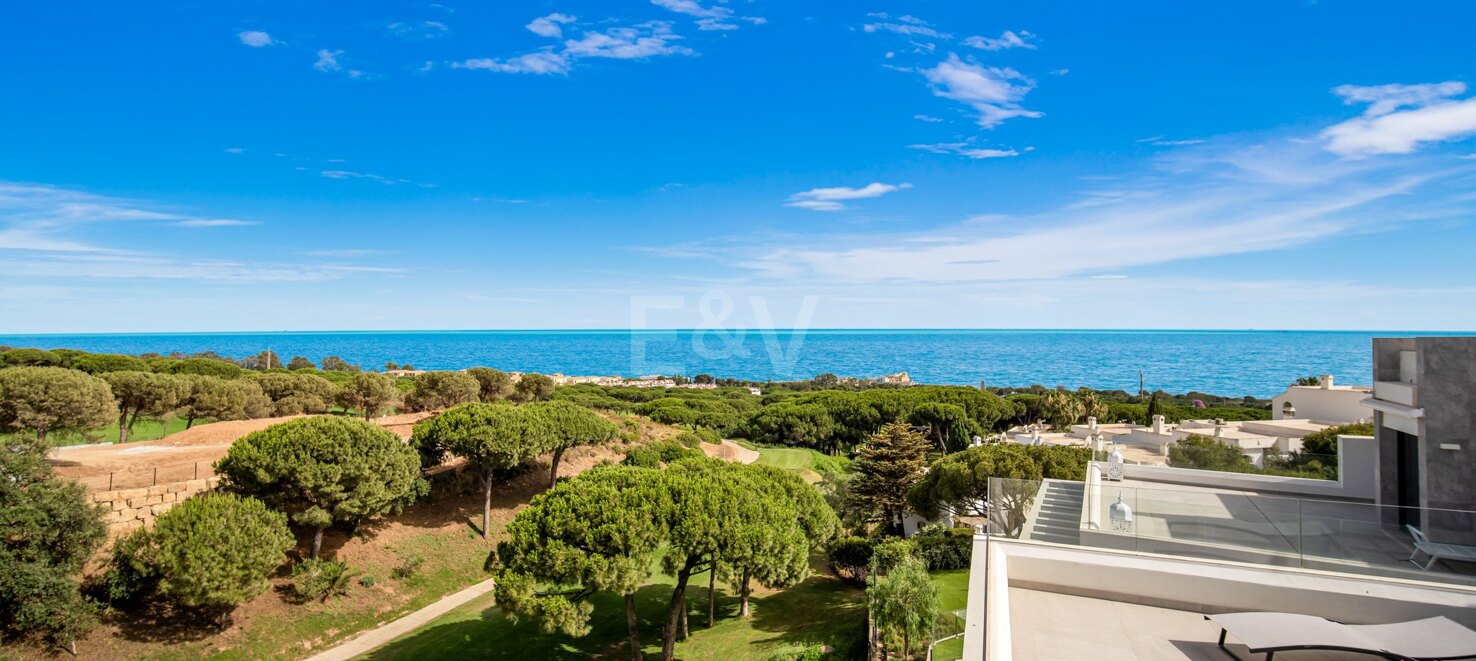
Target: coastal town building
pixel 1325 402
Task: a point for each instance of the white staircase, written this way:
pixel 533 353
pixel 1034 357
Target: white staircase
pixel 1057 514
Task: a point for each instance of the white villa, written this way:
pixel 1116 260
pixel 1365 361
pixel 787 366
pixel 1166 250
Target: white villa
pixel 1325 402
pixel 1131 563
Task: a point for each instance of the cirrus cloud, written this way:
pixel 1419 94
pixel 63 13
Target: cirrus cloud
pixel 832 199
pixel 1401 117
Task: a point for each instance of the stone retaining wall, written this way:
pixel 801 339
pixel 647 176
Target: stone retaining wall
pixel 131 509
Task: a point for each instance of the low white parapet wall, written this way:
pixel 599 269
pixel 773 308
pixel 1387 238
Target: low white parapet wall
pixel 1210 587
pixel 987 620
pixel 1357 460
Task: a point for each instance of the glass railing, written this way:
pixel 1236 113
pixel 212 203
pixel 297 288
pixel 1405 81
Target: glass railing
pixel 1294 464
pixel 1241 527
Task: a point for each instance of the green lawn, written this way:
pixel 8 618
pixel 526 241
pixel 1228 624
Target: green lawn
pixel 953 595
pixel 143 430
pixel 821 610
pixel 806 462
pixel 787 458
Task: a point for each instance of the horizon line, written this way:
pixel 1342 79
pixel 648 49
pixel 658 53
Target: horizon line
pixel 736 328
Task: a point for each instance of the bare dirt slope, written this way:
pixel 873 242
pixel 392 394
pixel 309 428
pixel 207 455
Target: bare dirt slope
pixel 176 456
pixel 730 451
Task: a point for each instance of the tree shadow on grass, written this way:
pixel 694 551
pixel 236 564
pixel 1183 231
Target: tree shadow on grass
pixel 487 633
pixel 159 622
pixel 821 610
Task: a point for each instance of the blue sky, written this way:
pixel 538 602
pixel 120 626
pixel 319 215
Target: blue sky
pixel 298 166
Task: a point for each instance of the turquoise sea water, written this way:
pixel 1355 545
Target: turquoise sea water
pixel 1259 363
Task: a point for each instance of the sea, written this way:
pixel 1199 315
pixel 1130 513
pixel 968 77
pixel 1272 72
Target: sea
pixel 1230 363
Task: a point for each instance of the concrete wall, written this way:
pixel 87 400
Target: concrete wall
pixel 1444 377
pixel 131 509
pixel 1447 392
pixel 1221 587
pixel 1358 479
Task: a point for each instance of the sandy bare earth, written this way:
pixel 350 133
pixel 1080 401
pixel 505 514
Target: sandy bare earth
pixel 730 451
pixel 180 456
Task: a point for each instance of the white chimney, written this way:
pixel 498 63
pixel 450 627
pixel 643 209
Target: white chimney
pixel 1327 381
pixel 1092 422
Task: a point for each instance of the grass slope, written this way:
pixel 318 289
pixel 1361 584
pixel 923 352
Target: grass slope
pixel 953 595
pixel 143 430
pixel 820 610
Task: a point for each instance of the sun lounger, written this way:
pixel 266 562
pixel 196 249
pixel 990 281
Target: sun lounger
pixel 1430 639
pixel 1436 550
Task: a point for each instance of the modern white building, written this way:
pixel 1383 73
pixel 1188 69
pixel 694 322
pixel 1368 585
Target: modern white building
pixel 1325 402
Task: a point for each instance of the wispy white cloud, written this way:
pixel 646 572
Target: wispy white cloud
pixel 905 25
pixel 966 149
pixel 1199 202
pixel 126 266
pixel 651 39
pixel 39 218
pixel 369 176
pixel 234 150
pixel 927 118
pixel 713 17
pixel 349 253
pixel 540 62
pixel 993 92
pixel 1162 141
pixel 418 29
pixel 550 26
pixel 645 40
pixel 215 222
pixel 39 226
pixel 1006 40
pixel 255 38
pixel 832 199
pixel 1399 118
pixel 328 60
pixel 17 238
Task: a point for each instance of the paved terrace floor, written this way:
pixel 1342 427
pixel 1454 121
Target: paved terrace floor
pixel 1045 626
pixel 1323 534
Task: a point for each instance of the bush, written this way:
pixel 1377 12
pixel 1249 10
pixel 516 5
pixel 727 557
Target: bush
pixel 800 653
pixel 850 557
pixel 129 577
pixel 366 581
pixel 212 551
pixel 893 552
pixel 49 527
pixel 663 452
pixel 407 568
pixel 945 548
pixel 321 579
pixel 1325 442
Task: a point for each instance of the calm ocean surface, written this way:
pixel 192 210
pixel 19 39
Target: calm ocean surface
pixel 1259 363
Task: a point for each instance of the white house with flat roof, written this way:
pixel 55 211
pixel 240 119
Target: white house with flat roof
pixel 1324 402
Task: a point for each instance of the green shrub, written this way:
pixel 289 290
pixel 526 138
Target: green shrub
pixel 893 552
pixel 128 577
pixel 944 548
pixel 850 557
pixel 407 568
pixel 366 581
pixel 654 455
pixel 321 579
pixel 211 551
pixel 800 653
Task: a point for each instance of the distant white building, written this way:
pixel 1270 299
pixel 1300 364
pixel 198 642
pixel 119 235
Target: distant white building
pixel 1325 402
